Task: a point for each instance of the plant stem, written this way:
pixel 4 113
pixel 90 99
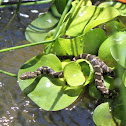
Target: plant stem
pixel 26 4
pixel 7 73
pixel 11 20
pixel 26 45
pixel 19 47
pixel 59 24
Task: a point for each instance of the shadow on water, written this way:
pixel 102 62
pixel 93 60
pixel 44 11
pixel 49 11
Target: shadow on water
pixel 16 109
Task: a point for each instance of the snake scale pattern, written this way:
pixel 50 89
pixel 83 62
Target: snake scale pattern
pixel 99 67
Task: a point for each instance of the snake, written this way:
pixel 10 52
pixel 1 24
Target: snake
pixel 98 65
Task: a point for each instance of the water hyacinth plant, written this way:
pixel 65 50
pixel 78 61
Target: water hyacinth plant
pixel 74 28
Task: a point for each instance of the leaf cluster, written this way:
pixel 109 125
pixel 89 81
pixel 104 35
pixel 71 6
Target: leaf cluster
pixel 69 30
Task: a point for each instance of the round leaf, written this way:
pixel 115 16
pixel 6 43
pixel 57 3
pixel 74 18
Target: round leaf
pixel 118 52
pixel 93 39
pixel 102 115
pixel 47 92
pixel 73 74
pixel 105 50
pixel 53 95
pixel 38 29
pixel 33 64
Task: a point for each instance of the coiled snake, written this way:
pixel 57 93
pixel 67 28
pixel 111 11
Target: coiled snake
pixel 99 68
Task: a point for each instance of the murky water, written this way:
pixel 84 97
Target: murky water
pixel 16 109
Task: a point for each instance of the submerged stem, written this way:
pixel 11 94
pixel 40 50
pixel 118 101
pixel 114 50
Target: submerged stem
pixel 11 20
pixel 28 3
pixel 7 73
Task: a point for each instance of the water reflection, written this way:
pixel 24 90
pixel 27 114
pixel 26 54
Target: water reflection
pixel 24 15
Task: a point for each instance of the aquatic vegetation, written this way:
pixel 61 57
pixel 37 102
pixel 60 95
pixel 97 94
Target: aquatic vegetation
pixel 75 28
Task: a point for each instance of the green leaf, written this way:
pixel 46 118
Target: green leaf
pixel 118 109
pixel 33 64
pixel 47 92
pixel 73 74
pixel 93 91
pixel 122 20
pixel 87 70
pixel 1 1
pixel 88 43
pixel 92 40
pixel 38 29
pixel 80 21
pixel 76 75
pixel 118 52
pixel 58 49
pixel 105 51
pixel 51 95
pixel 121 7
pixel 113 26
pixel 102 115
pixel 106 15
pixel 72 46
pixel 65 62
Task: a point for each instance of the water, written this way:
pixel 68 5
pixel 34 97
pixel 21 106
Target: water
pixel 16 109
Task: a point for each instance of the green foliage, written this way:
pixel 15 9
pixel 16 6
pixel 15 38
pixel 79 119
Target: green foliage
pixel 76 33
pixel 120 57
pixel 118 5
pixel 0 2
pixel 60 5
pixel 55 90
pixel 113 26
pixel 103 17
pixel 112 49
pixel 84 15
pixel 86 18
pixel 47 92
pixel 82 28
pixel 38 29
pixel 86 43
pixel 93 91
pixel 73 74
pixel 102 115
pixel 87 69
pixel 124 78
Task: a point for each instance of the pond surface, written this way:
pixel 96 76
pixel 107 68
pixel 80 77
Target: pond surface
pixel 16 109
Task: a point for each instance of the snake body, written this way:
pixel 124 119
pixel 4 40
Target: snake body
pixel 99 69
pixel 41 70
